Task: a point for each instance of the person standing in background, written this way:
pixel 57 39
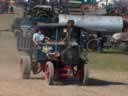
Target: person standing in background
pixel 101 39
pixel 11 9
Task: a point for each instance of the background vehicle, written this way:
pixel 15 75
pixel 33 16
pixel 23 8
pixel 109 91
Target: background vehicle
pixel 40 13
pixel 104 3
pixel 78 7
pixel 118 8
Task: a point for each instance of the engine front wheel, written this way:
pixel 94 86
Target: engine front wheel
pixel 83 73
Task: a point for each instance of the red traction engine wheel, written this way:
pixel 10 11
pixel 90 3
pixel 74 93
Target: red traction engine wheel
pixel 49 73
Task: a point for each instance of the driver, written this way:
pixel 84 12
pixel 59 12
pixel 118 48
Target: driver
pixel 73 32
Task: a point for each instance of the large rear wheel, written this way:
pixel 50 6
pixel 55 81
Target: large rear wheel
pixel 25 67
pixel 49 73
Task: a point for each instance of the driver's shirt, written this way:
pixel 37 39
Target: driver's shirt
pixel 38 37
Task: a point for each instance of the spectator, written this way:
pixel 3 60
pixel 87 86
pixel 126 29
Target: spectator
pixel 11 9
pixel 100 42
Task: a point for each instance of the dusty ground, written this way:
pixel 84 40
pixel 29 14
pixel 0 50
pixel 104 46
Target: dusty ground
pixel 100 84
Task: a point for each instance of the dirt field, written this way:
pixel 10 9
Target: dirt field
pixel 100 84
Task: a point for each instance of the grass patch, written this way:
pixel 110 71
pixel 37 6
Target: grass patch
pixel 109 60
